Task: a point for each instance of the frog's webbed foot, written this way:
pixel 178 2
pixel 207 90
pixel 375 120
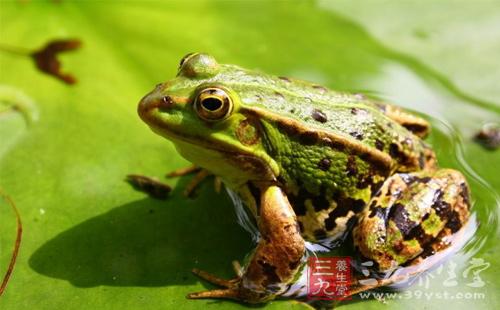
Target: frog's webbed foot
pixel 201 174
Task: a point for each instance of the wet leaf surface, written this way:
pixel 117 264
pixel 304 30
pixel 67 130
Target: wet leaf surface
pixel 92 240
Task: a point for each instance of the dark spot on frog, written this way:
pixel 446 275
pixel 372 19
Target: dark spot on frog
pixel 365 181
pixel 324 164
pixel 375 188
pixel 394 150
pixel 408 178
pixel 309 138
pixel 421 160
pixel 416 129
pixel 335 145
pixel 166 103
pixel 465 193
pixel 354 111
pixel 400 216
pixel 351 167
pixel 298 202
pixel 270 272
pixel 344 205
pixel 280 95
pixel 319 116
pixel 379 145
pixel 320 88
pixel 425 180
pixel 356 134
pixel 284 78
pixel 454 223
pixel 442 209
pixel 381 213
pixel 428 251
pixel 398 247
pixel 418 234
pixel 320 202
pixel 291 131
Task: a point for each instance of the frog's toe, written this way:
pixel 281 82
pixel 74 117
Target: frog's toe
pixel 216 280
pixel 221 293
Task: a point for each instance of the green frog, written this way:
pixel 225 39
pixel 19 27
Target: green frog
pixel 310 164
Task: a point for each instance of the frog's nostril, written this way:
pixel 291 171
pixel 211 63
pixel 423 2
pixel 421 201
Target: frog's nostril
pixel 166 102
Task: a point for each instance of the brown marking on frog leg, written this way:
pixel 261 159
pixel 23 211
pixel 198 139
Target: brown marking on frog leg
pixel 452 211
pixel 281 247
pixel 276 259
pixel 310 136
pixel 400 216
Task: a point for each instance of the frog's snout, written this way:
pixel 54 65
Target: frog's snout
pixel 152 102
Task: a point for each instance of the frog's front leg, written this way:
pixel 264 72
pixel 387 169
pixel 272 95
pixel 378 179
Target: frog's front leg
pixel 276 259
pixel 410 217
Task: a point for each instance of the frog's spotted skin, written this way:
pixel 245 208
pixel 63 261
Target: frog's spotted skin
pixel 407 215
pixel 310 164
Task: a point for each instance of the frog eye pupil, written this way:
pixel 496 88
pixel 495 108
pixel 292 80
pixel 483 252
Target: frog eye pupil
pixel 212 104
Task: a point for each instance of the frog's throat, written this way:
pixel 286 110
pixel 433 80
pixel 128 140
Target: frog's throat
pixel 216 157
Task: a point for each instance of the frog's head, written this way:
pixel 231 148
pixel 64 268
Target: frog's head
pixel 200 113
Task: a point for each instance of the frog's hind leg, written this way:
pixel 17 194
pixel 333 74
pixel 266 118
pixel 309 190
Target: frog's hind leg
pixel 411 217
pixel 274 263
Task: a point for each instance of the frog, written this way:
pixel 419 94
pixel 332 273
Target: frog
pixel 309 164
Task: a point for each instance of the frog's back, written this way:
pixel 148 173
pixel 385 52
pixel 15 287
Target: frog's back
pixel 350 119
pixel 334 149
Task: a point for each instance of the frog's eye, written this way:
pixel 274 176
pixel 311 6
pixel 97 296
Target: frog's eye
pixel 213 104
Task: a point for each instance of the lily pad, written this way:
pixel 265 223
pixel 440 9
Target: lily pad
pixel 91 240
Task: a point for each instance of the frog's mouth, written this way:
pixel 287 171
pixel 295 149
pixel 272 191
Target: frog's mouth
pixel 214 155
